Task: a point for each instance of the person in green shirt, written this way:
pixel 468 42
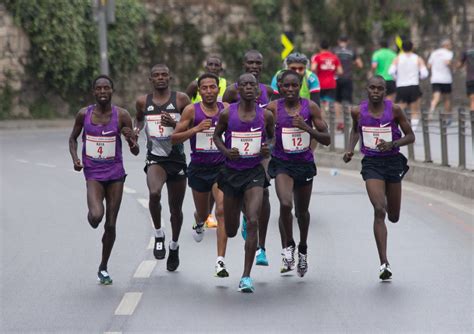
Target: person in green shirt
pixel 381 61
pixel 214 66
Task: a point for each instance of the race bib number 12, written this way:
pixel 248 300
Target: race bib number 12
pixel 294 140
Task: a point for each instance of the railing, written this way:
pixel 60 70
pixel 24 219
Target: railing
pixel 434 136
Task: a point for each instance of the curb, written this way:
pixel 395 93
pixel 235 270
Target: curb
pixel 36 123
pixel 451 179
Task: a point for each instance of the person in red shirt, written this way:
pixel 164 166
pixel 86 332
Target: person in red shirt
pixel 326 65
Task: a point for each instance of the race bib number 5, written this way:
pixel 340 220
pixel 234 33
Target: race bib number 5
pixel 294 140
pixel 248 143
pixel 373 135
pixel 100 148
pixel 204 141
pixel 156 130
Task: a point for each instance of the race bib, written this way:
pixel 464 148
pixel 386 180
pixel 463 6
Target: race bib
pixel 248 143
pixel 373 135
pixel 100 148
pixel 156 130
pixel 204 141
pixel 294 140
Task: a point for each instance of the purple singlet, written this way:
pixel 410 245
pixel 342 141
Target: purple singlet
pixel 292 144
pixel 203 149
pixel 247 137
pixel 373 129
pixel 102 148
pixel 262 100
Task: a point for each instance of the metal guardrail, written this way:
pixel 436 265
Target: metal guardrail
pixel 440 125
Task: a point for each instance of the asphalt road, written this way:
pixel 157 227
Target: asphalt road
pixel 50 257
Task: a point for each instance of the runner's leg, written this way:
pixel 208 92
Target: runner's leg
pixel 393 192
pixel 284 189
pixel 155 177
pixel 253 198
pixel 221 232
pixel 95 199
pixel 302 196
pixel 176 192
pixel 376 192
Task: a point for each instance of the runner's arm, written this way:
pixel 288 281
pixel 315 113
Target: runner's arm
pixel 230 94
pixel 409 136
pixel 320 130
pixel 183 130
pixel 139 121
pixel 126 130
pixel 221 126
pixel 76 131
pixel 354 136
pixel 192 89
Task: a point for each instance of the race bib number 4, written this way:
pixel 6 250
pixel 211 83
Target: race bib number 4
pixel 248 143
pixel 204 141
pixel 156 130
pixel 373 135
pixel 294 140
pixel 100 148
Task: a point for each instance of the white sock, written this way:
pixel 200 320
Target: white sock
pixel 173 245
pixel 220 258
pixel 159 233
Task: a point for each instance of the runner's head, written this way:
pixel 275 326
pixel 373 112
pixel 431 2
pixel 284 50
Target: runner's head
pixel 253 62
pixel 446 43
pixel 208 87
pixel 324 45
pixel 342 41
pixel 247 86
pixel 214 65
pixel 407 46
pixel 289 85
pixel 102 88
pixel 160 76
pixel 376 89
pixel 297 62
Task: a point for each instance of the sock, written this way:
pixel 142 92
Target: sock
pixel 303 249
pixel 159 233
pixel 173 245
pixel 220 258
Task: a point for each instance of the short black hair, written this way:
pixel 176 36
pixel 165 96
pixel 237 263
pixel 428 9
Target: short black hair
pixel 383 43
pixel 286 73
pixel 407 46
pixel 103 76
pixel 378 77
pixel 343 38
pixel 206 76
pixel 324 44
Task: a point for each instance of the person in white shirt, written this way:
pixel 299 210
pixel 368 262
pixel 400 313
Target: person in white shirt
pixel 441 78
pixel 407 69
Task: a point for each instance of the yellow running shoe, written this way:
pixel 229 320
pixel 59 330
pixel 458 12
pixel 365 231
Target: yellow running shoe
pixel 211 222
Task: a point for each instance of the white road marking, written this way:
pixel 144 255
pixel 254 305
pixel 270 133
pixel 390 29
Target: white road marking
pixel 129 190
pixel 151 244
pixel 42 164
pixel 143 202
pixel 112 332
pixel 22 161
pixel 128 304
pixel 145 269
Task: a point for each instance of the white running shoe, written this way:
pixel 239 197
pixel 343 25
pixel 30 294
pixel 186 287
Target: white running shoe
pixel 385 272
pixel 288 259
pixel 302 267
pixel 221 271
pixel 198 232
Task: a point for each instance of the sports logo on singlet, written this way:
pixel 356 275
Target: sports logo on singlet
pixel 156 130
pixel 294 140
pixel 150 108
pixel 372 135
pixel 248 143
pixel 170 107
pixel 100 147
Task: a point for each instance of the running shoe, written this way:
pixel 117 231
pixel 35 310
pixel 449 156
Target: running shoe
pixel 173 260
pixel 385 272
pixel 244 227
pixel 302 266
pixel 211 222
pixel 288 259
pixel 104 278
pixel 221 271
pixel 159 251
pixel 246 285
pixel 198 232
pixel 261 257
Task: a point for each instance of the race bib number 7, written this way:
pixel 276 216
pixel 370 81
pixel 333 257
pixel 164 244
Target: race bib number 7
pixel 373 135
pixel 156 130
pixel 100 148
pixel 248 143
pixel 294 140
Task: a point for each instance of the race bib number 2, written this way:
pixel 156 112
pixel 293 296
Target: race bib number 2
pixel 100 148
pixel 248 143
pixel 156 130
pixel 294 140
pixel 373 135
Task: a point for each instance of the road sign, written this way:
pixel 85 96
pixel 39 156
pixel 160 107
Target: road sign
pixel 287 46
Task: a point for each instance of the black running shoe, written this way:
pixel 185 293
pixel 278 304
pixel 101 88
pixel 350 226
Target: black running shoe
pixel 159 251
pixel 173 260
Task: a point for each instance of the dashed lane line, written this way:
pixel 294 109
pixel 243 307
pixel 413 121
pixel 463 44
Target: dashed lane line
pixel 129 190
pixel 145 269
pixel 128 304
pixel 42 164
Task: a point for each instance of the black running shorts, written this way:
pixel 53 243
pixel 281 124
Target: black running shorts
pixel 344 90
pixel 408 94
pixel 391 169
pixel 202 177
pixel 235 182
pixel 175 171
pixel 302 173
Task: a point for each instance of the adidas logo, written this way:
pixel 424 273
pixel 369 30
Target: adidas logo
pixel 150 108
pixel 170 107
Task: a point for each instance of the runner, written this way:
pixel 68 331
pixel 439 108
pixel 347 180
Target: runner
pixel 197 124
pixel 214 66
pixel 158 113
pixel 381 61
pixel 292 164
pixel 439 63
pixel 383 167
pixel 248 129
pixel 467 59
pixel 408 68
pixel 253 63
pixel 102 161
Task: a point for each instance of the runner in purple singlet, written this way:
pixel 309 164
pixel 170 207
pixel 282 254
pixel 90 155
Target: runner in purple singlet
pixel 197 124
pixel 248 130
pixel 292 165
pixel 383 166
pixel 101 125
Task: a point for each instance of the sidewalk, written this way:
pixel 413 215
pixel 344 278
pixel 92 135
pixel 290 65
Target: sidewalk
pixel 18 124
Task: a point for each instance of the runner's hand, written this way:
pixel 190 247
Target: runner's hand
pixel 384 146
pixel 167 120
pixel 265 150
pixel 130 136
pixel 204 125
pixel 77 165
pixel 299 122
pixel 347 156
pixel 233 154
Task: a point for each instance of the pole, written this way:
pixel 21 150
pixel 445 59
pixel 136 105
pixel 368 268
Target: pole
pixel 102 26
